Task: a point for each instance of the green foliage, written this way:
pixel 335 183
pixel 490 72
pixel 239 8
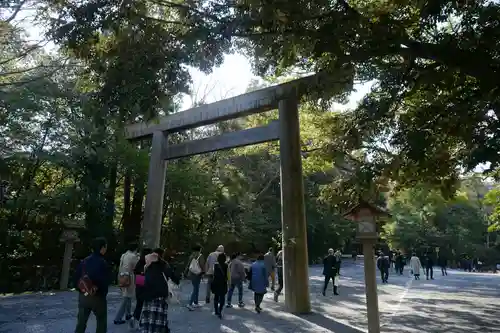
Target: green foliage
pixel 432 112
pixel 433 108
pixel 492 199
pixel 423 219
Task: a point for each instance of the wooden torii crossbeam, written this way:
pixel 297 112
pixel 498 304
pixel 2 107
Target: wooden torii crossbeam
pixel 284 97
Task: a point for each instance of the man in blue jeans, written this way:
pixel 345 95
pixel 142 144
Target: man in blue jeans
pixel 197 262
pixel 237 275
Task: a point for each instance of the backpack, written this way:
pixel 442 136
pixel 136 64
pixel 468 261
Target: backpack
pixel 194 266
pixel 85 284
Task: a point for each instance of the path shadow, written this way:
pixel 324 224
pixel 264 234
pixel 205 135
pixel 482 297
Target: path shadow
pixel 247 321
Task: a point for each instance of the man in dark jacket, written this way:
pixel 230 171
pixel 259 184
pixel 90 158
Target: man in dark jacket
pixel 429 264
pixel 400 263
pixel 383 264
pixel 330 271
pixel 442 261
pixel 99 272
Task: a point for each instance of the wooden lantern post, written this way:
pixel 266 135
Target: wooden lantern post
pixel 365 215
pixel 69 237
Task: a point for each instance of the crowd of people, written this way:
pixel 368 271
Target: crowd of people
pixel 398 261
pixel 149 279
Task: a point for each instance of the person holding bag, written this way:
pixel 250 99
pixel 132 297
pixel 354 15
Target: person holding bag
pixel 126 282
pixel 157 274
pixel 194 272
pixel 93 276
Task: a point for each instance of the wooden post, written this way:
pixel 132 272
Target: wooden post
pixel 153 208
pixel 371 287
pixel 69 237
pixel 68 254
pixel 296 267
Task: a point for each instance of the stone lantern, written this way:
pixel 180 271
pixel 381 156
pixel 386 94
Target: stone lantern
pixel 69 237
pixel 366 214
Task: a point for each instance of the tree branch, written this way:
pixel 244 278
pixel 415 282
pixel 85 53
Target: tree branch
pixel 16 11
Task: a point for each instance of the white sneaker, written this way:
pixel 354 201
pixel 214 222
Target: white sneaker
pixel 196 306
pixel 190 307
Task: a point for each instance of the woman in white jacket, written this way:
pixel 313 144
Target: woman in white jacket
pixel 415 266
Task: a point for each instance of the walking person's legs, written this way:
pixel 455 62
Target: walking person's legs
pixel 221 303
pixel 128 309
pixel 84 310
pixel 239 285
pixel 124 309
pixel 209 292
pixel 427 273
pixel 138 308
pixel 230 294
pixel 280 285
pixel 100 310
pixel 195 282
pixel 258 301
pixel 216 304
pixel 432 272
pixel 325 285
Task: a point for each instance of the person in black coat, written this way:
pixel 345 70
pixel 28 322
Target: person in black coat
pixel 400 263
pixel 429 266
pixel 383 264
pixel 157 272
pixel 219 284
pixel 443 262
pixel 330 271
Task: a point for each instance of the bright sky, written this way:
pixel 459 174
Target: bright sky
pixel 230 79
pixel 233 77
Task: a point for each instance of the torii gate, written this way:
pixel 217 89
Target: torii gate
pixel 284 97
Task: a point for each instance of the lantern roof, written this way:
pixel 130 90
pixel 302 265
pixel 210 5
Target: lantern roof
pixel 374 209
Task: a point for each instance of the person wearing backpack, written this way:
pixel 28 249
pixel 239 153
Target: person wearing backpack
pixel 194 272
pixel 93 277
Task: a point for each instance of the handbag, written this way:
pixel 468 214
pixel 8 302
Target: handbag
pixel 140 280
pixel 173 296
pixel 124 280
pixel 194 266
pixel 336 281
pixel 85 284
pixel 124 277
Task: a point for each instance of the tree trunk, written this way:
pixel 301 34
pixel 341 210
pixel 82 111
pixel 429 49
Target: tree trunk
pixel 132 227
pixel 127 190
pixel 111 194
